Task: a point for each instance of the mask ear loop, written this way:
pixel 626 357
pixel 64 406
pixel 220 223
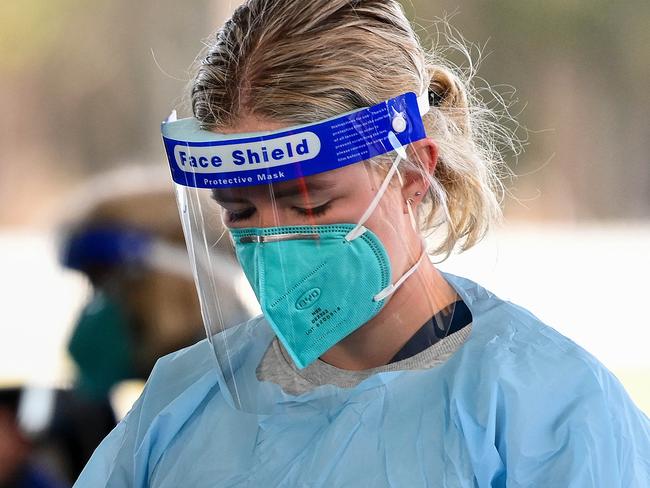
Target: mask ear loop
pixel 393 287
pixel 390 289
pixel 359 229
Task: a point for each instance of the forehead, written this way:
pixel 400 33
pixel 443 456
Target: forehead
pixel 329 182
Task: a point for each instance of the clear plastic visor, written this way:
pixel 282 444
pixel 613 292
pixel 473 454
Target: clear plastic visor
pixel 322 255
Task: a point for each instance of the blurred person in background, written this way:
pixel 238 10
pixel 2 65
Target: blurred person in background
pixel 124 235
pixel 368 367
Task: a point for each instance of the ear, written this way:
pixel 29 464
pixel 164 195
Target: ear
pixel 424 155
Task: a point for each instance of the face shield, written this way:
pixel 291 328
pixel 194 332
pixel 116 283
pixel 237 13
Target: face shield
pixel 308 212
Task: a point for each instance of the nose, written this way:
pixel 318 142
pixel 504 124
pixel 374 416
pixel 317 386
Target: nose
pixel 268 215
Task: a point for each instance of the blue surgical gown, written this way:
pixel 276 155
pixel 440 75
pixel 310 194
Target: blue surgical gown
pixel 518 405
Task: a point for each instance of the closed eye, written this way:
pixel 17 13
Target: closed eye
pixel 240 215
pixel 233 216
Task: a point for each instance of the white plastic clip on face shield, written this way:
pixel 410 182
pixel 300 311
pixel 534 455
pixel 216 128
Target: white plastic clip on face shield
pixel 398 124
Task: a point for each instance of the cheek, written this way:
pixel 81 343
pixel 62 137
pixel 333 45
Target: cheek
pixel 393 227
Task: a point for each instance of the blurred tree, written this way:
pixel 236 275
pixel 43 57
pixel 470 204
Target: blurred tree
pixel 581 69
pixel 84 86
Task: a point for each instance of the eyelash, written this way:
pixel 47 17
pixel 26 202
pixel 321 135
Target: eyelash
pixel 304 212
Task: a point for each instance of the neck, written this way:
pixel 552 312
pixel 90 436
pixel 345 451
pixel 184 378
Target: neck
pixel 419 298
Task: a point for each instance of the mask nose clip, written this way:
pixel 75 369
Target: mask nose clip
pixel 278 237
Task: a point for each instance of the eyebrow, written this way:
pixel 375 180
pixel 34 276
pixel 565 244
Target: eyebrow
pixel 301 188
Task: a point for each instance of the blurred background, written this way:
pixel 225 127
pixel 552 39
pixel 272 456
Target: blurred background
pixel 83 89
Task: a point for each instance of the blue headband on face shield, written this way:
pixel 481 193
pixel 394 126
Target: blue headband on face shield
pixel 204 159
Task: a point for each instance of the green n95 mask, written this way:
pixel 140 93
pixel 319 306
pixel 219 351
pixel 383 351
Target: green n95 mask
pixel 314 286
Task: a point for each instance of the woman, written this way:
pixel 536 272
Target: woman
pixel 330 143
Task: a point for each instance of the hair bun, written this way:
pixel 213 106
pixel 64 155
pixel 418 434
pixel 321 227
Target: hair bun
pixel 447 88
pixel 447 92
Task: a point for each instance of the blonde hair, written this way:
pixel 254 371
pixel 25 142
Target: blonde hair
pixel 295 61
